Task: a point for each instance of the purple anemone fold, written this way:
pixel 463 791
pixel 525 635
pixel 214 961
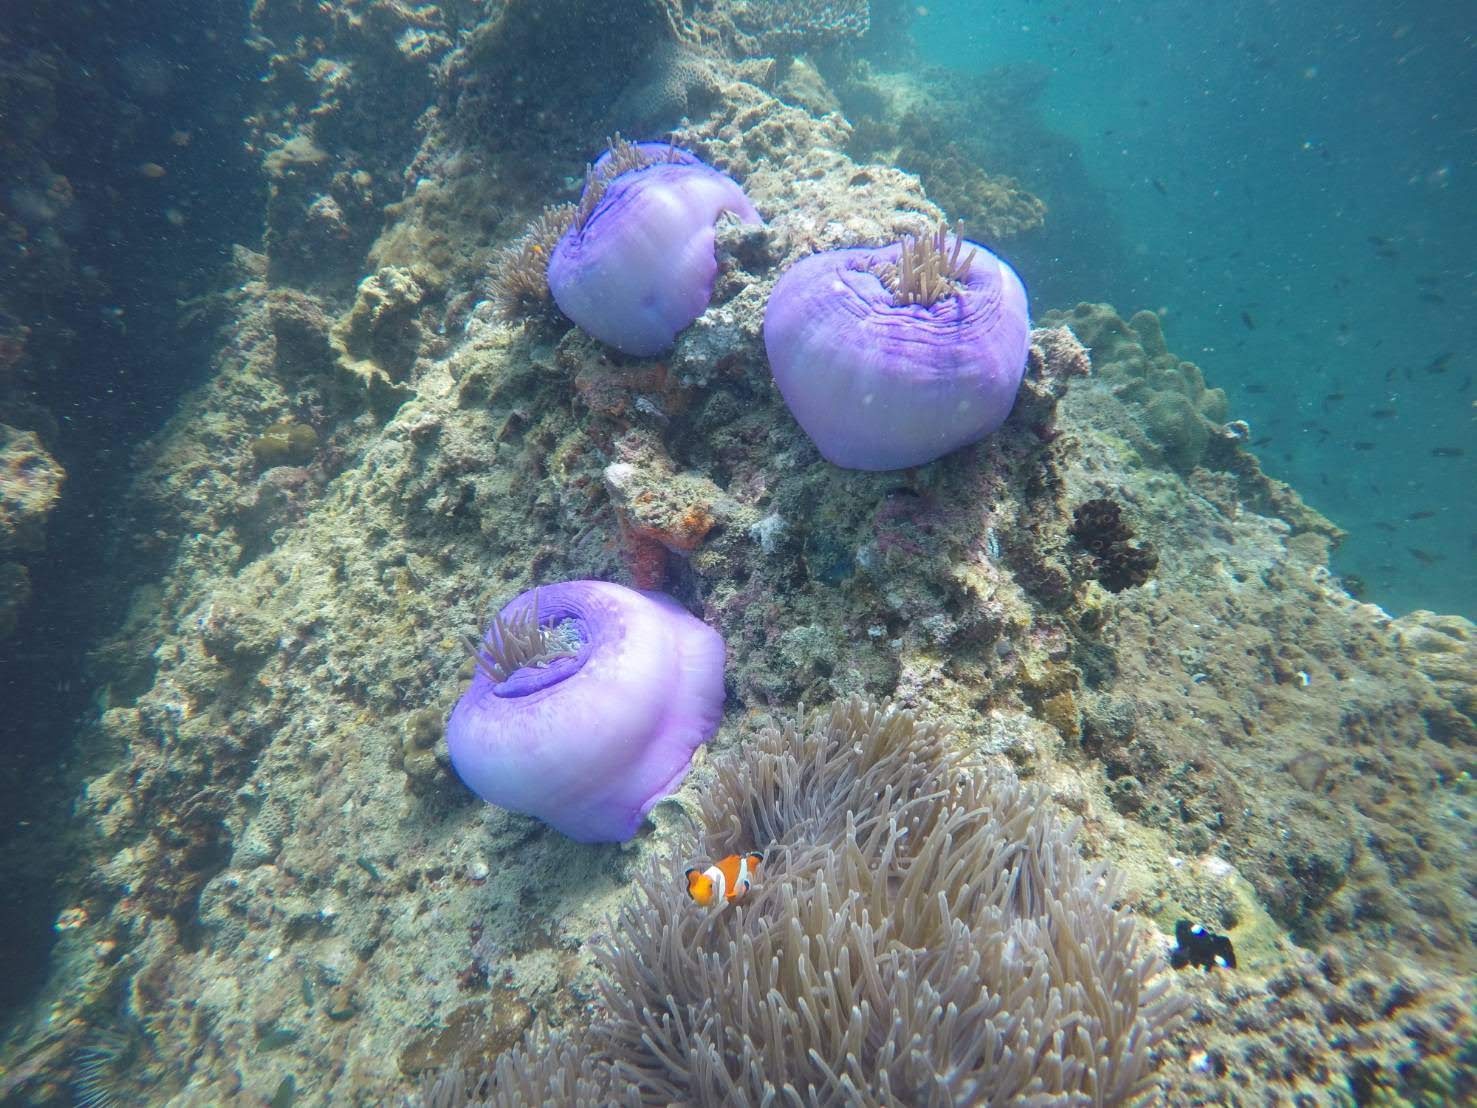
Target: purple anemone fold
pixel 879 382
pixel 637 266
pixel 596 722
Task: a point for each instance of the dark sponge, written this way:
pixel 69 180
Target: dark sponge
pixel 1099 528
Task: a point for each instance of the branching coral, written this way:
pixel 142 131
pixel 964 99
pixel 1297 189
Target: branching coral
pixel 924 933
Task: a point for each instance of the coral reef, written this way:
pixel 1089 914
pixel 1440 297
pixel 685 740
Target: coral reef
pixel 912 910
pixel 1444 648
pixel 379 338
pixel 1179 417
pixel 789 25
pixel 278 878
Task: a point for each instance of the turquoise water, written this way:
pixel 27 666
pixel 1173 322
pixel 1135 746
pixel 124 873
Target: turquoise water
pixel 1291 186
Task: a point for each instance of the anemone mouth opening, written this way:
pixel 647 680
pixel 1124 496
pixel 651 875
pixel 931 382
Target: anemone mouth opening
pixel 927 269
pixel 523 651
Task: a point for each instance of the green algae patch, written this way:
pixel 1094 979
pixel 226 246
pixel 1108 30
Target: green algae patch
pixel 474 1035
pixel 285 443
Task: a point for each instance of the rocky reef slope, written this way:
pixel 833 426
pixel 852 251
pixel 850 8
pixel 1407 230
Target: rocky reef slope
pixel 290 894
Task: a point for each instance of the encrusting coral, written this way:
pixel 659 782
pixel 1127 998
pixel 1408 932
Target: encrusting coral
pixel 924 933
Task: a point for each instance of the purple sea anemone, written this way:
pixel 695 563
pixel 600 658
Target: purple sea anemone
pixel 637 264
pixel 588 701
pixel 895 356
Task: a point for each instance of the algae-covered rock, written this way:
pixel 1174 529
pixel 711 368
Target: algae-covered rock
pixel 379 337
pixel 1177 427
pixel 286 879
pixel 1444 648
pixel 30 485
pixel 1177 413
pixel 285 442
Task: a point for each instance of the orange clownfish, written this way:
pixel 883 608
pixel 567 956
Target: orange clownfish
pixel 728 879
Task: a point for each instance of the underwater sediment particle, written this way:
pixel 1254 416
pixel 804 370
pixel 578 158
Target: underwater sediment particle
pixel 925 933
pixel 892 357
pixel 637 264
pixel 586 706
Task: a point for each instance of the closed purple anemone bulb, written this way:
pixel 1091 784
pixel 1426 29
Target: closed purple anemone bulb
pixel 637 264
pixel 895 356
pixel 587 703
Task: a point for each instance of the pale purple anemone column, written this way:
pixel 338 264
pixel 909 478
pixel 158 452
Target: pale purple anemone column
pixel 590 741
pixel 641 265
pixel 879 385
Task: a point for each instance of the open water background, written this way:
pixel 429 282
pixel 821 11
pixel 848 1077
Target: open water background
pixel 1293 185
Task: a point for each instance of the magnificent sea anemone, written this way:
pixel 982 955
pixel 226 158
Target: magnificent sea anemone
pixel 587 703
pixel 895 356
pixel 637 265
pixel 925 933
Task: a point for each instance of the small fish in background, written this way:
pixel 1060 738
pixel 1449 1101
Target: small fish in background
pixel 1262 441
pixel 1447 452
pixel 1362 445
pixel 1159 186
pixel 1423 513
pixel 728 879
pixel 1248 321
pixel 1196 946
pixel 152 170
pixel 1425 557
pixel 1432 298
pixel 1439 363
pixel 1383 247
pixel 1333 398
pixel 1383 413
pixel 1388 528
pixel 1255 389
